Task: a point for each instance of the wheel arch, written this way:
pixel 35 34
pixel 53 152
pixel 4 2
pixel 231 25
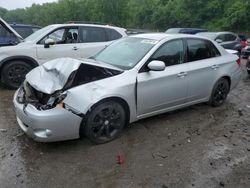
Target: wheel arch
pixel 118 100
pixel 228 79
pixel 26 59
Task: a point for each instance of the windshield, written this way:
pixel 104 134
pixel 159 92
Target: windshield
pixel 38 33
pixel 126 53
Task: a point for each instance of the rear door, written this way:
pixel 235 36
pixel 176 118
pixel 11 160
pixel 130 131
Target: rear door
pixel 159 90
pixel 203 65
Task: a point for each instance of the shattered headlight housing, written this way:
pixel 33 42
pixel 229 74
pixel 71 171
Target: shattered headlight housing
pixel 54 101
pixel 69 108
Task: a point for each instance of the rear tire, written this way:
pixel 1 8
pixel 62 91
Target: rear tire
pixel 13 73
pixel 248 71
pixel 104 122
pixel 219 93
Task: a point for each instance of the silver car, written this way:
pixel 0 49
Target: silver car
pixel 226 39
pixel 133 78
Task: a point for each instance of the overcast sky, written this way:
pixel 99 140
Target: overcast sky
pixel 13 4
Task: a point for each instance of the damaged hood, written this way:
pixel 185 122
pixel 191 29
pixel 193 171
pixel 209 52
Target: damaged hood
pixel 53 75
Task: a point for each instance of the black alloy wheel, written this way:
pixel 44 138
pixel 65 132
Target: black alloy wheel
pixel 220 92
pixel 105 122
pixel 13 73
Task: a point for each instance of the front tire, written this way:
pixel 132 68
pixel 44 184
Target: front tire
pixel 219 93
pixel 248 71
pixel 13 73
pixel 104 122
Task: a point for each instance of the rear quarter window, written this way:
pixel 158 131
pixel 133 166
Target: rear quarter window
pixel 113 34
pixel 230 37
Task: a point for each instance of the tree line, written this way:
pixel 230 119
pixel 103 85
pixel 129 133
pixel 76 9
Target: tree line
pixel 214 15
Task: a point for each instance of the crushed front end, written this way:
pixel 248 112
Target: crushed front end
pixel 43 118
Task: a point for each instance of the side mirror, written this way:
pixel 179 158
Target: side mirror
pixel 219 40
pixel 156 65
pixel 48 42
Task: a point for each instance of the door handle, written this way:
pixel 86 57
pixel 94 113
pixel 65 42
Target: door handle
pixel 75 48
pixel 182 74
pixel 215 67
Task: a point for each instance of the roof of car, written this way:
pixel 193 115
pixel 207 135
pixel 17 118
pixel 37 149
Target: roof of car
pixel 161 36
pixel 80 24
pixel 213 35
pixel 23 25
pixel 217 33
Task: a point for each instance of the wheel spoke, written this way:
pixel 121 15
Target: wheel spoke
pixel 115 116
pixel 116 125
pixel 95 125
pixel 107 131
pixel 100 131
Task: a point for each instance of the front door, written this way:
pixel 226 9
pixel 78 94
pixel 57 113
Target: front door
pixel 66 45
pixel 161 90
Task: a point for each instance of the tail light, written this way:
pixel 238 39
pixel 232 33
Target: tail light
pixel 238 61
pixel 248 59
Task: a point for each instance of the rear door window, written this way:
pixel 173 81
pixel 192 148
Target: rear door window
pixel 230 37
pixel 198 49
pixel 92 34
pixel 222 37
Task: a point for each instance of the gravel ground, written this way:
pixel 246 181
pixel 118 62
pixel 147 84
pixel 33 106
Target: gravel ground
pixel 199 146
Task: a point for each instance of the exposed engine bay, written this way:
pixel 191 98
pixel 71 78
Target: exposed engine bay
pixel 85 73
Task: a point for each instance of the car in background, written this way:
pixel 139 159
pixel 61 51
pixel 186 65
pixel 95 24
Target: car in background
pixel 248 65
pixel 74 40
pixel 8 36
pixel 245 52
pixel 24 30
pixel 186 30
pixel 14 33
pixel 228 40
pixel 133 78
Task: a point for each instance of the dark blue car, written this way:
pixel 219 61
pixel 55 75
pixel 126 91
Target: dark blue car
pixel 12 34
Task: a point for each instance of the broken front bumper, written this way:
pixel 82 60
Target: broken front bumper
pixel 52 125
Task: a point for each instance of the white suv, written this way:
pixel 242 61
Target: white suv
pixel 74 40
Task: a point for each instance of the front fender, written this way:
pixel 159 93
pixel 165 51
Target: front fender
pixel 84 97
pixel 27 58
